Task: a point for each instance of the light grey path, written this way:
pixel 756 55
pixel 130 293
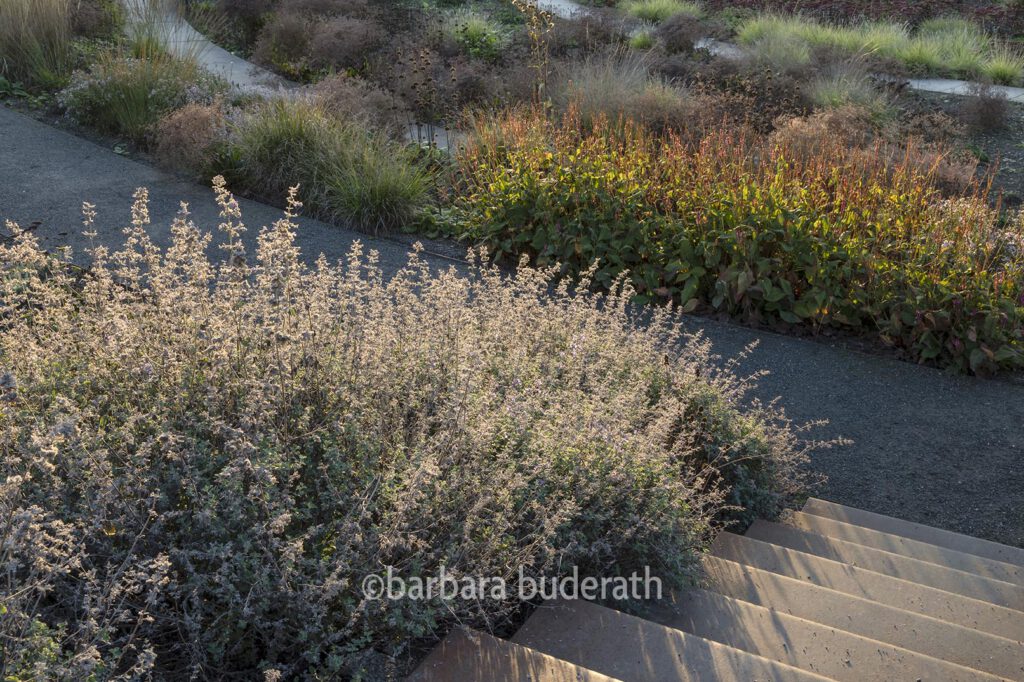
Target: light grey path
pixel 930 447
pixel 566 9
pixel 952 87
pixel 183 40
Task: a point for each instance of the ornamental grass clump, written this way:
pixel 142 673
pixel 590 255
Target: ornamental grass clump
pixel 659 10
pixel 127 95
pixel 201 460
pixel 36 42
pixel 852 238
pixel 476 34
pixel 346 172
pixel 944 46
pixel 619 85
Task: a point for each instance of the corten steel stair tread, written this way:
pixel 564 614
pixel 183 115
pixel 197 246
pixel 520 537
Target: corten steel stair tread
pixel 948 579
pixel 471 656
pixel 866 584
pixel 874 620
pixel 828 651
pixel 915 549
pixel 637 650
pixel 916 531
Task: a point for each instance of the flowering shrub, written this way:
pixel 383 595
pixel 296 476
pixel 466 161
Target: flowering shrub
pixel 850 238
pixel 200 461
pixel 124 95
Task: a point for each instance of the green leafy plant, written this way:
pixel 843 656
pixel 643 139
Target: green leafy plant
pixel 854 239
pixel 9 89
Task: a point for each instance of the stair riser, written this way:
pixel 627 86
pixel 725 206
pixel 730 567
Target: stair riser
pixel 986 568
pixel 928 636
pixel 958 582
pixel 954 608
pixel 916 531
pixel 469 656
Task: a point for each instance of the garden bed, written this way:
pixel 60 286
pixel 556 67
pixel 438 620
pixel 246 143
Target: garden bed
pixel 342 140
pixel 202 460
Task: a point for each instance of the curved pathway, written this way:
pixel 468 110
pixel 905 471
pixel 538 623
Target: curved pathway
pixel 183 40
pixel 930 447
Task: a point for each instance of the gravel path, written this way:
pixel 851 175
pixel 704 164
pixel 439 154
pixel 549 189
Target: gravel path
pixel 929 447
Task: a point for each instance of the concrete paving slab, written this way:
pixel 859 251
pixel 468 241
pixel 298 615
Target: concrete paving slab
pixel 963 88
pixel 182 40
pixel 565 9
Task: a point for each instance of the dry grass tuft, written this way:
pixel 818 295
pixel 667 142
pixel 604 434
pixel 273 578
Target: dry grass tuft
pixel 186 139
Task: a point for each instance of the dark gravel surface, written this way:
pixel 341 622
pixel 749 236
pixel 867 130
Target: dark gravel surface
pixel 930 447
